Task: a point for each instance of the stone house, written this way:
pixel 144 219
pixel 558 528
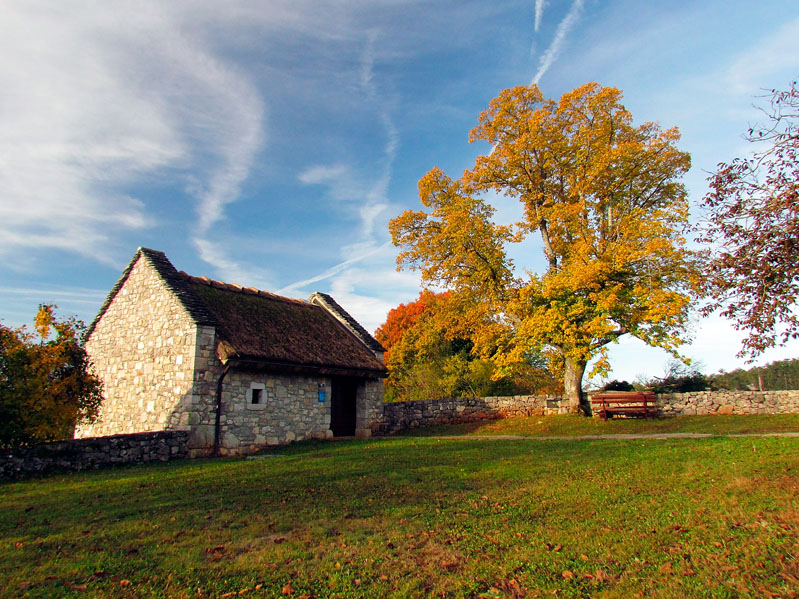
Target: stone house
pixel 237 367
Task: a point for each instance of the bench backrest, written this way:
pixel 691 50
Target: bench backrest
pixel 631 396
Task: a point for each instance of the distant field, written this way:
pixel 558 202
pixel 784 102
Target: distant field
pixel 417 517
pixel 571 426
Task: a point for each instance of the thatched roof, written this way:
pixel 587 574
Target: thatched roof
pixel 263 330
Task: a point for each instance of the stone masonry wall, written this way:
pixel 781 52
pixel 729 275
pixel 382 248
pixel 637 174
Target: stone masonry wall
pixel 200 404
pixel 290 411
pixel 729 402
pixel 85 454
pixel 369 408
pixel 143 349
pixel 413 414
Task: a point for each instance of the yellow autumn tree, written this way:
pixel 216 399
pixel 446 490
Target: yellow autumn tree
pixel 604 197
pixel 46 381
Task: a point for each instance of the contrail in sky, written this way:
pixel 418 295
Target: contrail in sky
pixel 563 29
pixel 539 12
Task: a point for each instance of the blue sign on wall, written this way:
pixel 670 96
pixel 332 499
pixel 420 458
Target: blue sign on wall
pixel 321 396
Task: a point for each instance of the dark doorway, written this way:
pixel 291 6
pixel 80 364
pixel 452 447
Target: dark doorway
pixel 342 407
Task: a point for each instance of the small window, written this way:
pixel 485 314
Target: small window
pixel 256 396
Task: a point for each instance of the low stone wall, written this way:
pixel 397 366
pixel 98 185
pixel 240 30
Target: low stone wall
pixel 415 414
pixel 93 452
pixel 404 415
pixel 729 402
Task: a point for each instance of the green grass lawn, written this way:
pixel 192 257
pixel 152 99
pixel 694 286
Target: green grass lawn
pixel 416 517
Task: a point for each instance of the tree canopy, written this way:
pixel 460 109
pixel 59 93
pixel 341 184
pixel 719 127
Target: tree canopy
pixel 603 196
pixel 753 226
pixel 46 384
pixel 430 355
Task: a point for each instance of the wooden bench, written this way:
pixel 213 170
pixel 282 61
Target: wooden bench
pixel 624 403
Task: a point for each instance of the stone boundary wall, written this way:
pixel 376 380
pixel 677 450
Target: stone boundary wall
pixel 414 414
pixel 92 452
pixel 404 415
pixel 729 402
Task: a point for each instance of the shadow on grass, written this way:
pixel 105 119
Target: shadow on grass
pixel 431 516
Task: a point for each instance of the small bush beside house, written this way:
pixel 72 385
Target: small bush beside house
pixel 46 383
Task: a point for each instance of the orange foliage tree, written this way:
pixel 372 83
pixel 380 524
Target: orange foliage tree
pixel 603 196
pixel 46 384
pixel 429 354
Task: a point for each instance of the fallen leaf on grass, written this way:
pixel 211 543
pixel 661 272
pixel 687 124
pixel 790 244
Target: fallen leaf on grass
pixel 729 568
pixel 215 553
pixel 511 588
pixel 125 582
pixel 556 548
pixel 716 544
pixel 601 576
pixel 567 574
pixel 287 589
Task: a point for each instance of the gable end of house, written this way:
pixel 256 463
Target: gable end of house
pixel 174 281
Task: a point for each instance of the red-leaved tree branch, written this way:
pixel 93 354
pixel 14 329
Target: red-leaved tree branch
pixel 753 228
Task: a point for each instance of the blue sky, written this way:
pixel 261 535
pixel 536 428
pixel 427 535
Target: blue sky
pixel 269 143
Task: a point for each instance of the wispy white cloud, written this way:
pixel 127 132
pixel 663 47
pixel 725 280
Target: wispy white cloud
pixel 564 27
pixel 98 99
pixel 77 293
pixel 332 271
pixel 539 12
pixel 371 309
pixel 232 271
pixel 758 66
pixel 366 195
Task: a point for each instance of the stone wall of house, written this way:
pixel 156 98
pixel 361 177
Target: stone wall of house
pixel 413 414
pixel 289 410
pixel 144 350
pixel 85 454
pixel 729 402
pixel 369 408
pixel 200 404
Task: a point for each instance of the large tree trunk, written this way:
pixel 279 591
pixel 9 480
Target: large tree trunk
pixel 573 385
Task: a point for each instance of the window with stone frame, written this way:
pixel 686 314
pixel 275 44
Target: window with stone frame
pixel 256 396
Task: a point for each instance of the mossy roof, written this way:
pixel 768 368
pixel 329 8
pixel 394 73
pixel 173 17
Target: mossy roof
pixel 258 327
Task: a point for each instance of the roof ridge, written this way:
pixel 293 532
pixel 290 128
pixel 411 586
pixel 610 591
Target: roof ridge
pixel 234 287
pixel 340 314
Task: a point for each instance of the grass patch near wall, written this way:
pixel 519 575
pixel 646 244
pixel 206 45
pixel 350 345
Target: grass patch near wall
pixel 572 426
pixel 418 517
